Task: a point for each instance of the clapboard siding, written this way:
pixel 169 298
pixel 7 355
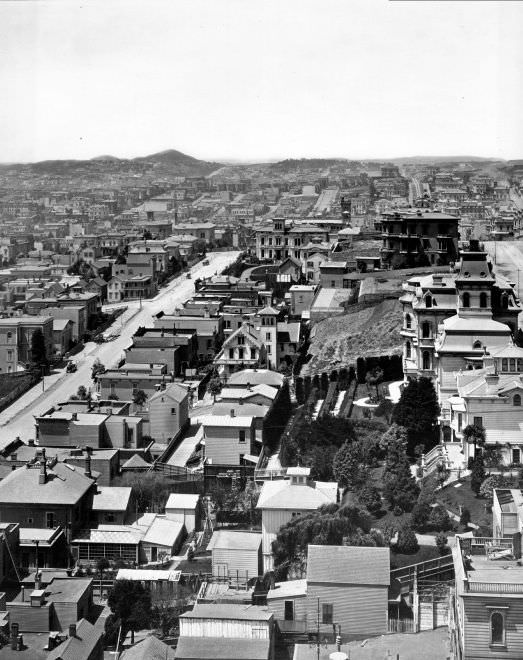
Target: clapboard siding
pixel 272 520
pixel 477 628
pixel 235 628
pixel 358 609
pixel 244 563
pixel 30 619
pixel 277 607
pixel 223 446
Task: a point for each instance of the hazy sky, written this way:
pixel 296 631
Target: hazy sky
pixel 246 79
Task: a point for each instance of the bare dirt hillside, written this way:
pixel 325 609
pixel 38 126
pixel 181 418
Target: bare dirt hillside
pixel 339 341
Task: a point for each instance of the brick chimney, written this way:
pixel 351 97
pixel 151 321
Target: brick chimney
pixel 232 412
pixel 88 472
pixel 14 636
pixel 72 630
pixel 42 478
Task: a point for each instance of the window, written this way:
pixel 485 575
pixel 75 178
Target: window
pixel 326 613
pixel 497 628
pixel 483 299
pixel 289 610
pixel 240 353
pixel 49 520
pixel 173 411
pixel 426 360
pixel 425 329
pixel 241 436
pixel 478 421
pixel 241 341
pixel 407 350
pixel 253 354
pixel 9 356
pixel 460 421
pixel 504 364
pixel 516 401
pixel 267 336
pixel 9 337
pixel 30 521
pixel 231 353
pixel 428 301
pixel 477 344
pixel 269 350
pixel 408 321
pixel 466 299
pixel 516 455
pixel 333 284
pixel 504 301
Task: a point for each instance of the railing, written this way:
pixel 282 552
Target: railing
pixel 422 568
pixel 494 587
pixel 401 626
pixel 299 625
pixel 268 475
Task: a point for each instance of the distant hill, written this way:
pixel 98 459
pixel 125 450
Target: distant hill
pixel 170 162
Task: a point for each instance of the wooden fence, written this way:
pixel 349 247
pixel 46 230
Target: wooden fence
pixel 401 626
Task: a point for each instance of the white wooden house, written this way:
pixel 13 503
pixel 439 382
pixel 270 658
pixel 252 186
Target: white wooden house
pixel 184 508
pixel 351 586
pixel 236 555
pixel 228 631
pixel 288 602
pixel 280 500
pixel 230 440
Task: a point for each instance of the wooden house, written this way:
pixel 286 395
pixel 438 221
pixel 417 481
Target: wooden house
pixel 288 602
pixel 227 631
pixel 282 499
pixel 350 583
pixel 184 508
pixel 168 412
pixel 236 555
pixel 229 440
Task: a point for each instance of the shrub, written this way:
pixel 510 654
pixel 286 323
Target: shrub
pixel 407 542
pixel 494 481
pixel 465 517
pixel 478 474
pixel 397 511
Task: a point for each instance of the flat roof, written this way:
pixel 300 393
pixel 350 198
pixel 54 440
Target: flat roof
pixel 228 611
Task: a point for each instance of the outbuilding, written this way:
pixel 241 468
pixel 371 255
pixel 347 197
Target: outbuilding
pixel 236 555
pixel 184 508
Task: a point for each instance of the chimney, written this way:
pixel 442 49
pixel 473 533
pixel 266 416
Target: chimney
pixel 232 412
pixel 72 630
pixel 42 478
pixel 31 442
pixel 22 594
pixel 88 472
pixel 14 636
pixel 74 417
pixel 492 381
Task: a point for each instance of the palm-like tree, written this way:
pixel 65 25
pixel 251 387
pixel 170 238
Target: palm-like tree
pixel 373 378
pixel 474 434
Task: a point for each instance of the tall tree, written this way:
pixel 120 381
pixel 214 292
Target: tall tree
pixel 130 603
pixel 139 398
pixel 400 488
pixel 38 348
pixel 373 378
pixel 418 410
pixel 348 466
pixel 477 476
pixel 214 387
pixel 474 435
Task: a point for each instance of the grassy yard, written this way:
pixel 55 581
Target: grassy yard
pixel 425 552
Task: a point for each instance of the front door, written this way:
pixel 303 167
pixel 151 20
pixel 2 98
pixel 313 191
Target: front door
pixel 154 553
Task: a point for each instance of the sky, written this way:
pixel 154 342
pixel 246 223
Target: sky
pixel 260 80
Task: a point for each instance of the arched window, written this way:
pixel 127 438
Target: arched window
pixel 408 321
pixel 497 628
pixel 504 301
pixel 483 299
pixel 428 301
pixel 466 299
pixel 407 350
pixel 477 344
pixel 516 401
pixel 426 360
pixel 425 329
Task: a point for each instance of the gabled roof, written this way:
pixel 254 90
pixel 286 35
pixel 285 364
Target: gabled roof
pixel 79 647
pixel 173 391
pixel 223 539
pixel 182 501
pixel 282 494
pixel 150 648
pixel 112 498
pixel 341 564
pixel 256 377
pixel 244 331
pixel 163 532
pixel 136 461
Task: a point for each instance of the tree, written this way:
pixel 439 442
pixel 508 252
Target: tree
pixel 384 409
pixel 329 525
pixel 139 398
pixel 113 397
pixel 478 474
pixel 38 348
pixel 101 566
pixel 370 498
pixel 300 392
pixel 474 435
pixel 407 542
pixel 418 410
pixel 214 387
pixel 420 514
pixel 97 368
pixel 373 378
pixel 82 393
pixel 439 519
pixel 400 488
pixel 441 544
pixel 130 602
pixel 348 467
pixel 465 517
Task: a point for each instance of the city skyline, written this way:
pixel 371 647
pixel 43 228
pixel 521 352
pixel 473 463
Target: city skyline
pixel 255 83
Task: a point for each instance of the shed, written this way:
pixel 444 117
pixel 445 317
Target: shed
pixel 163 536
pixel 184 508
pixel 111 503
pixel 351 583
pixel 236 555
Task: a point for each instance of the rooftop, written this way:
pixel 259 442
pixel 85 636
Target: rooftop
pixel 182 501
pixel 234 540
pixel 353 565
pixel 219 648
pixel 228 611
pixel 112 498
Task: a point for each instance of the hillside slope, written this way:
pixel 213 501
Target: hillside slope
pixel 339 341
